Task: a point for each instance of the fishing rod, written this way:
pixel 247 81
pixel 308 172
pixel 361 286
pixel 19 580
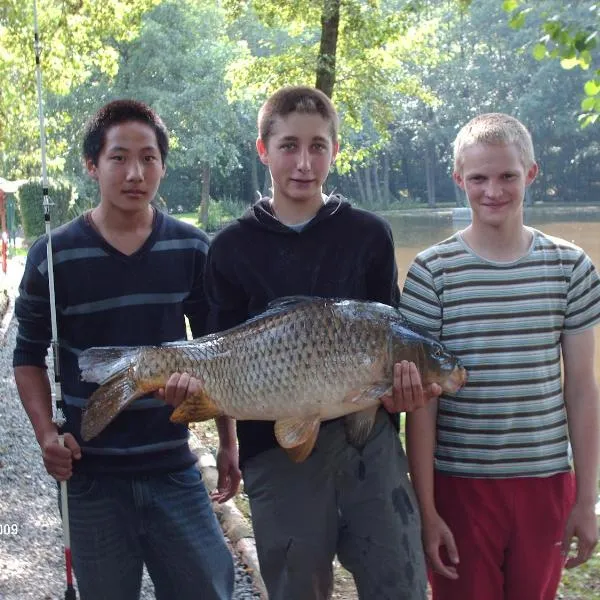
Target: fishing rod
pixel 57 396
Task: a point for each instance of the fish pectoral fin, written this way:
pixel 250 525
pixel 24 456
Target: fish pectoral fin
pixel 297 436
pixel 366 397
pixel 196 407
pixel 358 426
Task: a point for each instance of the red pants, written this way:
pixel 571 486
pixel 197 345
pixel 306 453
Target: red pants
pixel 508 533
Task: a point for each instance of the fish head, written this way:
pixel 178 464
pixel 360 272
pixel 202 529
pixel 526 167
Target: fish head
pixel 441 366
pixel 435 363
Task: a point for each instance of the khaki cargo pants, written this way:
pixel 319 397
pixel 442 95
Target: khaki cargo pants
pixel 356 504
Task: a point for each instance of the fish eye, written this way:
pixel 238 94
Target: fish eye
pixel 437 352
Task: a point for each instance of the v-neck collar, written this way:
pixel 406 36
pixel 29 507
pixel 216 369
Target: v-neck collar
pixel 142 250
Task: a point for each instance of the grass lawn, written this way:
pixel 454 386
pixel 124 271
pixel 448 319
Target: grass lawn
pixel 582 583
pixel 191 218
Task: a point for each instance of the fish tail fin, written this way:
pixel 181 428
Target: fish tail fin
pixel 99 365
pixel 110 399
pixel 111 367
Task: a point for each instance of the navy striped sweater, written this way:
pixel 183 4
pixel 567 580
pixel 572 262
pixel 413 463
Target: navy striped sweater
pixel 105 298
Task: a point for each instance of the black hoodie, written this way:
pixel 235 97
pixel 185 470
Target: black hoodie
pixel 343 252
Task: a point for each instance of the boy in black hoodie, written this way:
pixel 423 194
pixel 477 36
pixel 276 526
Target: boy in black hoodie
pixel 300 242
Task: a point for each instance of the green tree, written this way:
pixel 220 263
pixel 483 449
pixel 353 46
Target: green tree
pixel 477 63
pixel 355 50
pixel 570 33
pixel 77 36
pixel 187 85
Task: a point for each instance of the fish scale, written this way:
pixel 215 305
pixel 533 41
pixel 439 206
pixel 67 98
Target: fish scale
pixel 302 361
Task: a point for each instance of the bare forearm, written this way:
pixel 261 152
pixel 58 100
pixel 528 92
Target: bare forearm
pixel 583 414
pixel 226 431
pixel 34 390
pixel 420 447
pixel 583 411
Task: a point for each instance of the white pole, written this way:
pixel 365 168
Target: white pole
pixel 58 402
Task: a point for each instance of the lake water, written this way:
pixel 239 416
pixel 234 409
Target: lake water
pixel 413 234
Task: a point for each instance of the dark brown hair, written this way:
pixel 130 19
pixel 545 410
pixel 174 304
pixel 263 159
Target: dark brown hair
pixel 300 99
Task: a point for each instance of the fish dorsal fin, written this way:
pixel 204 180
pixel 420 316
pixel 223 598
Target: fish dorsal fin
pixel 297 436
pixel 196 407
pixel 290 301
pixel 359 425
pixel 276 307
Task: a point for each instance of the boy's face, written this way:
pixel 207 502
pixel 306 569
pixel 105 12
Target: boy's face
pixel 129 166
pixel 298 153
pixel 494 179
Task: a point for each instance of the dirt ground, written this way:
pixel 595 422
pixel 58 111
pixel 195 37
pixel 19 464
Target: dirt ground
pixel 3 303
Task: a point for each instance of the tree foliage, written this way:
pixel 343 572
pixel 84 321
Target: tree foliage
pixel 77 36
pixel 30 206
pixel 376 42
pixel 570 33
pixel 406 75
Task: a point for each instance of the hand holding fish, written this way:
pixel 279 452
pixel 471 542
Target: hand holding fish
pixel 58 459
pixel 178 388
pixel 408 393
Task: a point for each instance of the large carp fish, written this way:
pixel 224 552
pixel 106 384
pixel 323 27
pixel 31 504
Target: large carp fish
pixel 301 362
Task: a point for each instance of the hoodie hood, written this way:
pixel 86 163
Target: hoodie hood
pixel 261 215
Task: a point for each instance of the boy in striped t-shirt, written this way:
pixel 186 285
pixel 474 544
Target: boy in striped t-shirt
pixel 490 465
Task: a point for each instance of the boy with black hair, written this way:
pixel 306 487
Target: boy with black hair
pixel 124 274
pixel 490 464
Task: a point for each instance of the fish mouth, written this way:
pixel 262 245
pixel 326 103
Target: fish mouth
pixel 456 380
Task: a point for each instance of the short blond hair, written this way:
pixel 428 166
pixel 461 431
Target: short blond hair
pixel 494 128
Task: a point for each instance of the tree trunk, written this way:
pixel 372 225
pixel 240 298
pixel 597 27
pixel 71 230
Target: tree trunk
pixel 368 187
pixel 267 191
pixel 205 194
pixel 330 23
pixel 387 194
pixel 459 196
pixel 429 177
pixel 254 178
pixel 361 187
pixel 378 195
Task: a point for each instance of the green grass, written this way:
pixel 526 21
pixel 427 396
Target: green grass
pixel 13 252
pixel 582 583
pixel 191 218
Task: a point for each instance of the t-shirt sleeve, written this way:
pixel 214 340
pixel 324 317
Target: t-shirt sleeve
pixel 583 296
pixel 420 302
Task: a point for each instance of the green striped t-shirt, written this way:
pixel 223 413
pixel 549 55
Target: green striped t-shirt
pixel 504 321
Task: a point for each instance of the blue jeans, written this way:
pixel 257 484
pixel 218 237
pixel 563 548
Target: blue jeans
pixel 165 521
